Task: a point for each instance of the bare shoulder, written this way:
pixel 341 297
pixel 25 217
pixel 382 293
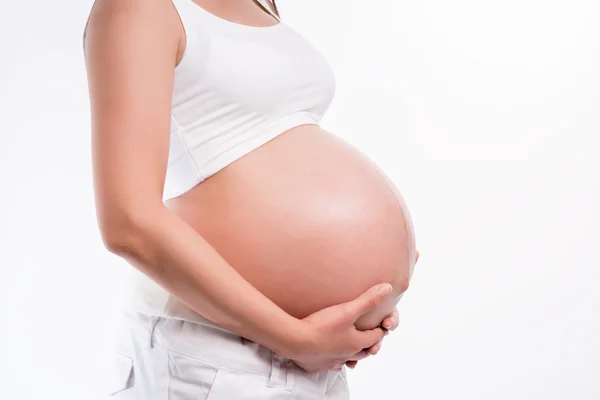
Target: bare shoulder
pixel 117 7
pixel 157 18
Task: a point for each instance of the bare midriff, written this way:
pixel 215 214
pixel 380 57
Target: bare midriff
pixel 308 220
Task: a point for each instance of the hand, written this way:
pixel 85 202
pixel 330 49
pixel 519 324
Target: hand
pixel 390 323
pixel 328 338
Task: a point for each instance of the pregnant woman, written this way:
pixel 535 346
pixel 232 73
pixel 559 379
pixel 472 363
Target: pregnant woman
pixel 269 254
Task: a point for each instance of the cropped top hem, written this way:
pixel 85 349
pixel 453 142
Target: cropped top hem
pixel 189 176
pixel 145 296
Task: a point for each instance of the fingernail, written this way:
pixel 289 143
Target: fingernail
pixel 387 325
pixel 385 289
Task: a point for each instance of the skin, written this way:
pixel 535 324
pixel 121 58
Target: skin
pixel 132 49
pixel 303 234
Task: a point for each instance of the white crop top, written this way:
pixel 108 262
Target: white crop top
pixel 237 87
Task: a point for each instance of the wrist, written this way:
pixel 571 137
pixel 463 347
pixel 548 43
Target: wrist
pixel 291 337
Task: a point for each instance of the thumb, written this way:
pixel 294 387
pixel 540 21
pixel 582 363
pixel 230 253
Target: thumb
pixel 368 300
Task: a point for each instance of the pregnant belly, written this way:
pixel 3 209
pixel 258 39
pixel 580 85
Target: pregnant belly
pixel 307 220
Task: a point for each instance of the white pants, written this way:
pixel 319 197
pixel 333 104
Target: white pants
pixel 160 358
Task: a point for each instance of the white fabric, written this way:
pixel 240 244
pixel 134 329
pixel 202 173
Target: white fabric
pixel 158 359
pixel 236 88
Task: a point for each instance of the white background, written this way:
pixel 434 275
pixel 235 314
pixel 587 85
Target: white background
pixel 486 116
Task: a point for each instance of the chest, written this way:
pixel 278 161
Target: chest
pixel 278 71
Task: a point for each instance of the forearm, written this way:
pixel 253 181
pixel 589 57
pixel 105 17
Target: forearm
pixel 169 251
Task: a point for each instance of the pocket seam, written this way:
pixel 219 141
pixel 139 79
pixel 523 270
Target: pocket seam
pixel 223 381
pixel 125 381
pixel 204 387
pixel 214 382
pixel 344 380
pixel 212 363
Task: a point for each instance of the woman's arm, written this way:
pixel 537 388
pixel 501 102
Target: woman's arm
pixel 131 51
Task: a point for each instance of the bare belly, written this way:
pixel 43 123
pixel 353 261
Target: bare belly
pixel 307 220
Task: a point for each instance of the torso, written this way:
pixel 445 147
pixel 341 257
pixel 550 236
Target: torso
pixel 307 220
pixel 303 216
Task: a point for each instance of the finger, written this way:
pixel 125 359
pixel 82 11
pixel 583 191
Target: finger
pixel 374 349
pixel 391 322
pixel 368 300
pixel 387 323
pixel 371 337
pixel 361 355
pixel 351 364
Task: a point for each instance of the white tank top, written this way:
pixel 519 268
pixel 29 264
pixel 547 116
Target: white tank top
pixel 236 88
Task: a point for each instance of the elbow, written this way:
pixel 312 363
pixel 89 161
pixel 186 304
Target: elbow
pixel 122 233
pixel 116 241
pixel 117 237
